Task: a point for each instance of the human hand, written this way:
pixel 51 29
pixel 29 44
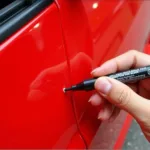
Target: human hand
pixel 111 92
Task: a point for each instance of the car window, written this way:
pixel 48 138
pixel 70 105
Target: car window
pixel 16 13
pixel 4 3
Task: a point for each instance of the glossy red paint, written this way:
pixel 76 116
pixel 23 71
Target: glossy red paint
pixel 147 49
pixel 34 112
pixel 96 31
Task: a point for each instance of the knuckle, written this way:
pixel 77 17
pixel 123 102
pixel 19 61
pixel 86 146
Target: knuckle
pixel 123 97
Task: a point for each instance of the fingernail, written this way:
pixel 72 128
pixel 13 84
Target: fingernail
pixel 100 115
pixel 95 100
pixel 89 100
pixel 95 70
pixel 103 86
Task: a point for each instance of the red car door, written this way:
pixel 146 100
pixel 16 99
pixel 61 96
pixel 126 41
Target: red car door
pixel 34 112
pixel 95 31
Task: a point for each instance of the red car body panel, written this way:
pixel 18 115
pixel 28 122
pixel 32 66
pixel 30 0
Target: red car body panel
pixel 58 48
pixel 35 113
pixel 94 32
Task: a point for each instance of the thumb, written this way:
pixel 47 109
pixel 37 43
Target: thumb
pixel 124 97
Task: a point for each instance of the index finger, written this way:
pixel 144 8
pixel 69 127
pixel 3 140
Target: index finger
pixel 130 59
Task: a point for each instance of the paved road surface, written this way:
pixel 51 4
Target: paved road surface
pixel 135 139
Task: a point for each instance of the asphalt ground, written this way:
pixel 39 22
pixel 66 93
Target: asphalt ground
pixel 135 139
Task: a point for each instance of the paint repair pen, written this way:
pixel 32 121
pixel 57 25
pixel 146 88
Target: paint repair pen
pixel 129 76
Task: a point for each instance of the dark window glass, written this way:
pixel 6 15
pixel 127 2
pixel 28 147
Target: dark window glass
pixel 4 3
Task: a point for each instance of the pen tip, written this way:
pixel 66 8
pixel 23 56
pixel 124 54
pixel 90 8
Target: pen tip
pixel 64 90
pixel 67 89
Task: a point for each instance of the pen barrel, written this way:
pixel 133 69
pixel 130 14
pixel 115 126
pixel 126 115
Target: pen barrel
pixel 129 76
pixel 89 84
pixel 133 75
